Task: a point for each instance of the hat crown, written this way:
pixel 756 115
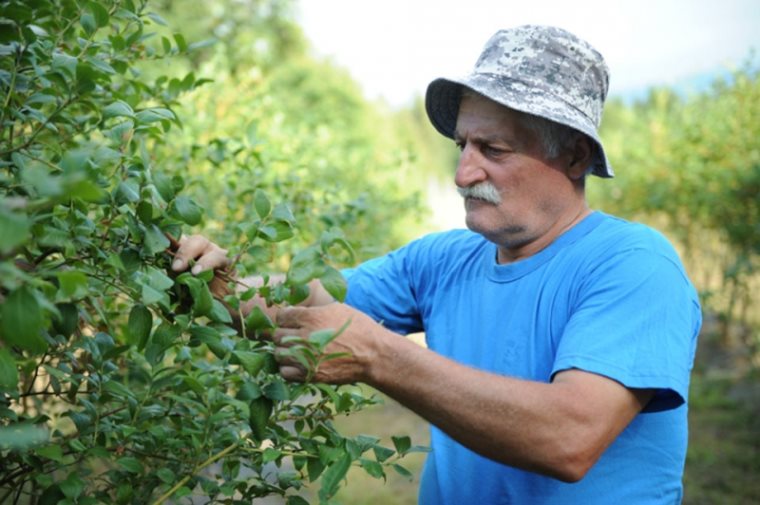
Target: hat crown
pixel 551 60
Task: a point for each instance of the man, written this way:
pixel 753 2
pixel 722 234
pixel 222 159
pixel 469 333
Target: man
pixel 559 339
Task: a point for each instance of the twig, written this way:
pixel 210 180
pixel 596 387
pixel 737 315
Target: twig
pixel 198 468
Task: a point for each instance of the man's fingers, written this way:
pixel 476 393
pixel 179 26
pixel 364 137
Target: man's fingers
pixel 214 258
pixel 290 368
pixel 290 317
pixel 208 255
pixel 285 337
pixel 293 373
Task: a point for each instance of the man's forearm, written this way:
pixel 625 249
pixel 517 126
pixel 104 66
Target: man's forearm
pixel 558 429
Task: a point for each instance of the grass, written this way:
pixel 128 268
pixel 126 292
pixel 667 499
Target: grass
pixel 723 462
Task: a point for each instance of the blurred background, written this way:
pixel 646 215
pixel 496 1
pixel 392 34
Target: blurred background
pixel 324 98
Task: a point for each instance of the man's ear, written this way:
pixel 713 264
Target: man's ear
pixel 581 156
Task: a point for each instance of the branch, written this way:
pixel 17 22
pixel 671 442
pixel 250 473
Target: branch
pixel 198 468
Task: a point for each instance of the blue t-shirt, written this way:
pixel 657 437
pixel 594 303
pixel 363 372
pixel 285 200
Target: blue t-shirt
pixel 608 296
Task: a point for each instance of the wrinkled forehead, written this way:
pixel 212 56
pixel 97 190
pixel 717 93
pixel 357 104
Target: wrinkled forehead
pixel 486 119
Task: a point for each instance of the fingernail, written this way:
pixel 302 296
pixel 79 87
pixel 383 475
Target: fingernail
pixel 197 269
pixel 177 264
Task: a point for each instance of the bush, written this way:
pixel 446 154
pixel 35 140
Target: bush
pixel 119 382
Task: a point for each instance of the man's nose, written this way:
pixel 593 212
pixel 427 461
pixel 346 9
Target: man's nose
pixel 469 169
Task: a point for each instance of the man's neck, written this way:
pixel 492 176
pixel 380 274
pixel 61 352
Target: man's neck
pixel 512 254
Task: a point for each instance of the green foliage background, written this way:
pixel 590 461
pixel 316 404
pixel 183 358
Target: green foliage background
pixel 126 123
pixel 121 382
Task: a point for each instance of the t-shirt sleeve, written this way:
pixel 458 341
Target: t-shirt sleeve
pixel 635 320
pixel 385 288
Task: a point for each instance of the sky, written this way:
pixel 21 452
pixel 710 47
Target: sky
pixel 394 48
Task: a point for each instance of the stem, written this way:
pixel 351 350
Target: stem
pixel 11 87
pixel 6 495
pixel 36 373
pixel 36 132
pixel 198 468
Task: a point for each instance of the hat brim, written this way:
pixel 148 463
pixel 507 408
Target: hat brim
pixel 444 94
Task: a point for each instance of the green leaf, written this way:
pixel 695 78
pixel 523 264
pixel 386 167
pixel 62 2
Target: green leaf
pixel 258 320
pixel 65 63
pixel 334 283
pixel 199 292
pixel 276 231
pixel 139 325
pixel 403 471
pixel 321 338
pixel 262 204
pixel 87 20
pixel 128 191
pixel 219 313
pixel 22 321
pixel 382 453
pixel 200 45
pixel 314 468
pixel 181 43
pixel 166 475
pixel 118 389
pixel 157 19
pixel 166 334
pixel 306 265
pixel 282 212
pixel 150 295
pixel 118 109
pixel 72 284
pixel 187 210
pixel 276 390
pixel 157 279
pixel 248 391
pixel 401 443
pixel 252 362
pixel 130 464
pixel 154 114
pixel 99 13
pixel 14 230
pixel 212 338
pixel 73 486
pixel 53 452
pixel 373 468
pixel 164 185
pixel 260 411
pixel 270 455
pixel 155 240
pixel 296 500
pixel 333 475
pixel 8 371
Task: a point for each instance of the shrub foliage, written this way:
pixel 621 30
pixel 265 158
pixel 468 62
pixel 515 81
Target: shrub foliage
pixel 120 382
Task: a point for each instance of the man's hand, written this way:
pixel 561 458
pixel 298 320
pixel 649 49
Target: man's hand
pixel 202 254
pixel 356 341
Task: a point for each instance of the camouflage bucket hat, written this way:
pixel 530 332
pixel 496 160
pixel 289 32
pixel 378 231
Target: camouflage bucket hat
pixel 541 70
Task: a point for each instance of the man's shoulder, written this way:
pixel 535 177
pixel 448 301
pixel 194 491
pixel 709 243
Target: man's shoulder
pixel 617 234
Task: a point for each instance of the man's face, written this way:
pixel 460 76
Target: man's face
pixel 534 193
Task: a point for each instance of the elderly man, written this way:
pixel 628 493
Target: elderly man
pixel 559 339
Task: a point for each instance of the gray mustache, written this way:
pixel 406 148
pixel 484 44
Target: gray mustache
pixel 483 191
